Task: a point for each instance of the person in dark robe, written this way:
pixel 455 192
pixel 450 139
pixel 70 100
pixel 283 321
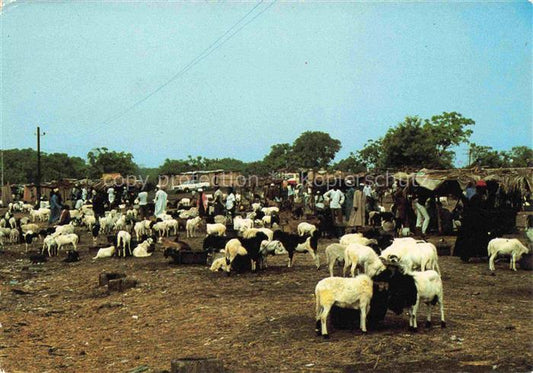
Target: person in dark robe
pixel 55 206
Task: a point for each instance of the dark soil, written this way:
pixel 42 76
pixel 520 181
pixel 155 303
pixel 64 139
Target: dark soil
pixel 55 318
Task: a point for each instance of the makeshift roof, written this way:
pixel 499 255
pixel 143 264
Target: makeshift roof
pixel 509 179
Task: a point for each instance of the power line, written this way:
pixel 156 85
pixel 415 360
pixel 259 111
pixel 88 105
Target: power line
pixel 205 53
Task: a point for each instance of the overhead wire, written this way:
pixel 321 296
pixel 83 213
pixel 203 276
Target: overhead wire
pixel 204 54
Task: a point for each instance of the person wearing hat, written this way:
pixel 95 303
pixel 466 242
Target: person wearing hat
pixel 55 206
pixel 160 201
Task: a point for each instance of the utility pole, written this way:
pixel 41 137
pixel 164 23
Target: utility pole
pixel 39 164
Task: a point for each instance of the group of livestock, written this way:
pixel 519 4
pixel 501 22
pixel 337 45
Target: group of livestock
pixel 392 273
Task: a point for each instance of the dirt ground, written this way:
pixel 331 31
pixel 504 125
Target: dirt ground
pixel 55 318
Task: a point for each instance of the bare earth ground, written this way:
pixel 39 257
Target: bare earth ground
pixel 55 318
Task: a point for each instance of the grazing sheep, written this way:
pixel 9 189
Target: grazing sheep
pixel 354 293
pixel 294 243
pixel 216 229
pixel 123 240
pixel 29 228
pixel 105 252
pixel 49 245
pixel 334 254
pixel 218 264
pixel 363 256
pixel 306 228
pixel 271 248
pixel 141 251
pixel 142 227
pixel 506 246
pixel 192 226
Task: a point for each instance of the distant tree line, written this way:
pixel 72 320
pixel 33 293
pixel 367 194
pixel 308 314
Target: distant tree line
pixel 413 143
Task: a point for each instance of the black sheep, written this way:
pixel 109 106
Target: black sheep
pixel 72 256
pixel 253 246
pixel 295 243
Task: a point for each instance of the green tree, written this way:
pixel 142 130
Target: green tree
pixel 57 166
pixel 102 160
pixel 486 156
pixel 447 130
pixel 521 156
pixel 352 164
pixel 371 155
pixel 315 149
pixel 280 157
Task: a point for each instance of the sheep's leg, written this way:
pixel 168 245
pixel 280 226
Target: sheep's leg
pixel 412 315
pixel 346 265
pixel 352 269
pixel 364 308
pixel 428 319
pixel 330 266
pixel 441 305
pixel 291 261
pixel 491 262
pixel 324 320
pixel 317 316
pixel 513 261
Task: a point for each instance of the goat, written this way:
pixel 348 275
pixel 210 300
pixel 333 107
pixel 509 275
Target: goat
pixel 123 240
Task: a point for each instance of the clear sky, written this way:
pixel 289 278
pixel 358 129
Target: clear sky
pixel 352 69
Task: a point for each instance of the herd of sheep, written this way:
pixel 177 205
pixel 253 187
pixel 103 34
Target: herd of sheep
pixel 407 267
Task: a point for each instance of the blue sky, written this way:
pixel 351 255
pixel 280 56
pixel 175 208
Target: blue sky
pixel 352 69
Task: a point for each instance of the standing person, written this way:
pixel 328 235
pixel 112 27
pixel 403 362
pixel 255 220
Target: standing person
pixel 142 199
pixel 84 194
pixel 160 201
pixel 357 219
pixel 422 215
pixel 201 203
pixel 110 197
pixel 336 199
pixel 230 203
pixel 218 201
pixel 55 206
pixel 99 200
pixel 401 204
pixel 348 200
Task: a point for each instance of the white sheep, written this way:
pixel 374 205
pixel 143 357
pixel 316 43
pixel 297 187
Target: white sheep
pixel 270 248
pixel 270 210
pixel 354 293
pixel 506 246
pixel 31 227
pixel 14 235
pixel 216 229
pixel 218 264
pixel 192 226
pixel 306 228
pixel 123 240
pixel 172 224
pixel 105 252
pixel 120 224
pixel 357 255
pixel 67 239
pixel 49 243
pixel 106 224
pixel 232 249
pixel 64 229
pixel 412 254
pixel 256 206
pixel 89 221
pixel 429 291
pixel 249 233
pixel 161 228
pixel 356 238
pixel 240 224
pixel 12 222
pixel 142 227
pixel 141 251
pixel 334 254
